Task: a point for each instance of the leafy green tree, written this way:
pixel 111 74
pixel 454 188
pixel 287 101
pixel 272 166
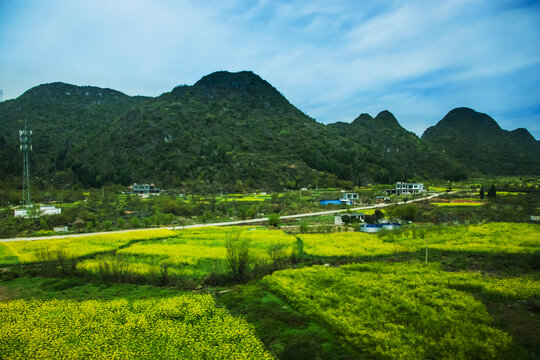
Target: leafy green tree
pixel 274 220
pixel 482 192
pixel 492 192
pixel 238 255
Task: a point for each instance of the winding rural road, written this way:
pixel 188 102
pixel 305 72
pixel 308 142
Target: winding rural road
pixel 227 223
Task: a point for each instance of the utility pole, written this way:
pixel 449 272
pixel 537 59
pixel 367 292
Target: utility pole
pixel 25 137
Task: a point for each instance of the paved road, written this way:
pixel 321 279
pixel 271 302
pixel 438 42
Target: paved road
pixel 227 223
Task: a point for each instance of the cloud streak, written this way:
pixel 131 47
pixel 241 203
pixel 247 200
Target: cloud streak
pixel 333 60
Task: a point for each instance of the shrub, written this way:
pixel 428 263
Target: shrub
pixel 274 220
pixel 237 255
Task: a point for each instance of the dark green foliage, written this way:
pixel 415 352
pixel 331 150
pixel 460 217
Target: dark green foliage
pixel 492 192
pixel 274 220
pixel 229 130
pixel 476 140
pixel 238 256
pixel 404 212
pixel 390 153
pixel 482 193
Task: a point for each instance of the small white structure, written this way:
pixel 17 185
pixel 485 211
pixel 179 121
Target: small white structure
pixel 43 210
pixel 60 229
pixel 349 198
pixel 370 228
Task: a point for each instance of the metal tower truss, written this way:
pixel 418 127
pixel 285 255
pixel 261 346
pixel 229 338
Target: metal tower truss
pixel 25 137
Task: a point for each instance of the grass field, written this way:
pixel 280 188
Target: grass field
pixel 489 238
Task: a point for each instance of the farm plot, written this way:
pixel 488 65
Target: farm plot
pixel 403 311
pixel 180 327
pixel 20 252
pixel 193 253
pixel 488 238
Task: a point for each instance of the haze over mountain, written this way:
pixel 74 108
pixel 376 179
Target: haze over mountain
pixel 236 130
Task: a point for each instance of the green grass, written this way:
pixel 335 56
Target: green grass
pixel 287 333
pixel 443 204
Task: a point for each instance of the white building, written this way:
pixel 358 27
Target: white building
pixel 43 210
pixel 349 198
pixel 407 188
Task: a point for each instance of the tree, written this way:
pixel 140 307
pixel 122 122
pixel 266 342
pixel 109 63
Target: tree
pixel 346 219
pixel 404 212
pixel 237 255
pixel 274 220
pixel 492 192
pixel 277 252
pixel 482 192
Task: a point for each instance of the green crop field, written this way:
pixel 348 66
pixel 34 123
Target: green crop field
pixel 375 297
pixel 193 253
pixel 489 238
pixel 404 311
pixel 16 252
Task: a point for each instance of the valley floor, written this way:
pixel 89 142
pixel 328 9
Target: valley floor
pixel 467 291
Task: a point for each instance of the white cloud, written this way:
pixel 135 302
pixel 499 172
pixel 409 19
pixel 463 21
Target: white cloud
pixel 334 60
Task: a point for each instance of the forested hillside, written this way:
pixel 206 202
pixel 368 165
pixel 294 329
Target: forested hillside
pixel 233 130
pixel 476 140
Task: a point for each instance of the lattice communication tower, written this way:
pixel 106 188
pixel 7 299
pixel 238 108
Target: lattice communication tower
pixel 25 137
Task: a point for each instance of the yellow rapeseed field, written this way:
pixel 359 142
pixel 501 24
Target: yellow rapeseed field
pixel 181 327
pixel 27 251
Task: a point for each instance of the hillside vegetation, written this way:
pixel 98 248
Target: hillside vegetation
pixel 236 130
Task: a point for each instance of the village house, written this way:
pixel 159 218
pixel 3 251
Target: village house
pixel 406 188
pixel 145 190
pixel 354 217
pixel 349 198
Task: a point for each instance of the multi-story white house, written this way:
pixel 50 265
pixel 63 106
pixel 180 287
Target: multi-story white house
pixel 406 188
pixel 409 188
pixel 349 198
pixel 145 189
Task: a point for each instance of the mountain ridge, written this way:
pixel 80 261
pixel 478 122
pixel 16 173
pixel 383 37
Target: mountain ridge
pixel 476 139
pixel 233 129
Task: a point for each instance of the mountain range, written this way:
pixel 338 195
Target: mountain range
pixel 236 130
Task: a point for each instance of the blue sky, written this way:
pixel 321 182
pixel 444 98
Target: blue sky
pixel 332 59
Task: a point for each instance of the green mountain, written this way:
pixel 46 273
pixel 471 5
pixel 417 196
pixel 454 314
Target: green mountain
pixel 396 152
pixel 475 139
pixel 229 129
